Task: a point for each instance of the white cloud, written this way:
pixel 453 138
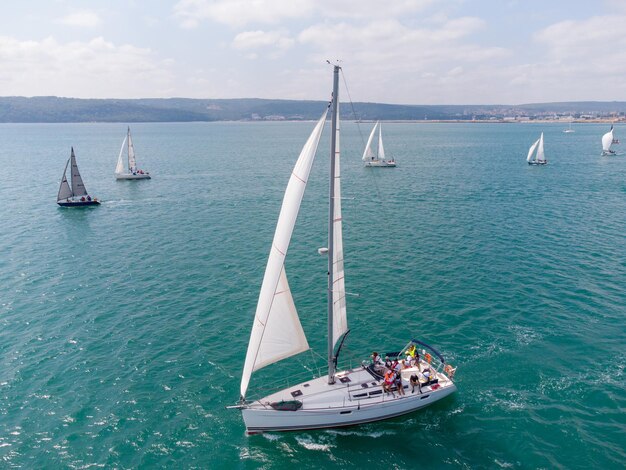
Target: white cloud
pixel 83 19
pixel 237 13
pixel 262 39
pixel 93 69
pixel 583 59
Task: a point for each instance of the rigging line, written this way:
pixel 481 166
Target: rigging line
pixel 384 212
pixel 356 119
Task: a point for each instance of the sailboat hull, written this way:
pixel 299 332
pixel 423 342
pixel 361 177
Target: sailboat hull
pixel 381 164
pixel 78 203
pixel 266 420
pixel 130 176
pixel 538 163
pixel 360 400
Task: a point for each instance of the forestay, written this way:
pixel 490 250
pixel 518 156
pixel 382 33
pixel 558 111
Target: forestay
pixel 277 332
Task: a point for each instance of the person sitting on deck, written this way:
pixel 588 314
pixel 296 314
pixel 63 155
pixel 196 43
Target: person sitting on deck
pixel 426 374
pixel 389 380
pixel 377 363
pixel 398 380
pixel 412 351
pixel 406 364
pixel 388 363
pixel 415 380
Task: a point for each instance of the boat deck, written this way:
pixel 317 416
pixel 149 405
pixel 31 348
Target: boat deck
pixel 353 387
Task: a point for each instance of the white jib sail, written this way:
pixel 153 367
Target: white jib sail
pixel 132 164
pixel 276 331
pixel 78 187
pixel 540 155
pixel 368 153
pixel 119 169
pixel 607 140
pixel 529 158
pixel 64 189
pixel 381 149
pixel 340 321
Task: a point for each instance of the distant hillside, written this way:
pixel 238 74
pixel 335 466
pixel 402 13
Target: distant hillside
pixel 54 109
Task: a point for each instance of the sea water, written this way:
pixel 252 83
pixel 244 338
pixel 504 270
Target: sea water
pixel 124 327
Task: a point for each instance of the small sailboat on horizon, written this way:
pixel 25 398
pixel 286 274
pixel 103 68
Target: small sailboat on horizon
pixel 129 171
pixel 343 397
pixel 377 159
pixel 569 130
pixel 607 141
pixel 536 154
pixel 75 195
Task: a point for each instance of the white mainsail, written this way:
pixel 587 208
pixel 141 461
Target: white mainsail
pixel 277 332
pixel 540 155
pixel 531 150
pixel 340 321
pixel 132 164
pixel 78 187
pixel 119 169
pixel 369 154
pixel 381 150
pixel 607 140
pixel 64 190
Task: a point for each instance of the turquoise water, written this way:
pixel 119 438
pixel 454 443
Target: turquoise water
pixel 123 328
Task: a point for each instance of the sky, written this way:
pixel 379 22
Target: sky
pixel 393 51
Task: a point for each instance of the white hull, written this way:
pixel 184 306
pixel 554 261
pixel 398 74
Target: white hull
pixel 341 404
pixel 130 176
pixel 381 163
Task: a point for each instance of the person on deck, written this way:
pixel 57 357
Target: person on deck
pixel 389 380
pixel 378 363
pixel 415 380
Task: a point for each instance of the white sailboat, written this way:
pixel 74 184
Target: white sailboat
pixel 377 159
pixel 538 157
pixel 607 141
pixel 129 171
pixel 76 194
pixel 340 398
pixel 569 130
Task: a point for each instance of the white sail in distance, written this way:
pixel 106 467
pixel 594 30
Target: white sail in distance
pixel 64 190
pixel 529 158
pixel 607 140
pixel 78 187
pixel 540 155
pixel 119 169
pixel 132 164
pixel 368 153
pixel 276 331
pixel 381 149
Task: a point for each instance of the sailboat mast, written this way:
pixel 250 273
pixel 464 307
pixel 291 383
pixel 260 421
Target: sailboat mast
pixel 331 220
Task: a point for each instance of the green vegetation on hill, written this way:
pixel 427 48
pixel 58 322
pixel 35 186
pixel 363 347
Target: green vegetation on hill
pixel 54 109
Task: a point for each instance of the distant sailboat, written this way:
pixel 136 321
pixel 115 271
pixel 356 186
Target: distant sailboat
pixel 377 159
pixel 538 157
pixel 130 172
pixel 607 141
pixel 76 195
pixel 569 129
